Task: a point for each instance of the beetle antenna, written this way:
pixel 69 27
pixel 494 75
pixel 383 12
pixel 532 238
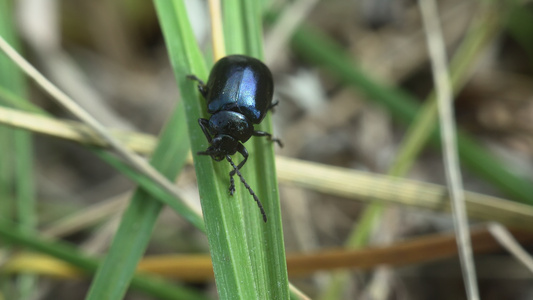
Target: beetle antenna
pixel 247 187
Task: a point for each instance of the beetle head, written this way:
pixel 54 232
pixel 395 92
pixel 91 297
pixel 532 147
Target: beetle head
pixel 221 145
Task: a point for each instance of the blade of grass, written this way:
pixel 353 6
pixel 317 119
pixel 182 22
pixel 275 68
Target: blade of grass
pixel 239 271
pixel 236 237
pixel 12 84
pixel 116 271
pixel 217 37
pixel 250 14
pixel 12 100
pixel 233 27
pixel 14 140
pixel 21 145
pixel 231 279
pixel 511 244
pixel 363 186
pixel 223 214
pixel 270 238
pixel 437 51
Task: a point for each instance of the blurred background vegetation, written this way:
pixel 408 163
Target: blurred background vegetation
pixel 110 56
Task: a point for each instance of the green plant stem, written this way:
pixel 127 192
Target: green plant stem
pixel 247 254
pixel 18 148
pixel 116 271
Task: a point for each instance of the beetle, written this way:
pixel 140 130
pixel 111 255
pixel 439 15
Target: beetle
pixel 239 94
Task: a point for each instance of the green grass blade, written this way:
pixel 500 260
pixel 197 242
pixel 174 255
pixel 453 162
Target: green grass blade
pixel 18 147
pixel 269 265
pixel 10 99
pixel 11 84
pixel 223 214
pixel 116 271
pixel 264 167
pixel 16 141
pixel 251 15
pixel 233 27
pixel 234 224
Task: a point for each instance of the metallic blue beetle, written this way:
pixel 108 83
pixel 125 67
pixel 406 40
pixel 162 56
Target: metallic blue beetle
pixel 238 94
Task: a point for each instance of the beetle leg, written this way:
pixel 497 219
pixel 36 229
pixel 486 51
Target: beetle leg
pixel 204 124
pixel 231 185
pixel 269 136
pixel 271 106
pixel 242 150
pixel 201 85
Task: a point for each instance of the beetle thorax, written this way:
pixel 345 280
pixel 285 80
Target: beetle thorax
pixel 231 123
